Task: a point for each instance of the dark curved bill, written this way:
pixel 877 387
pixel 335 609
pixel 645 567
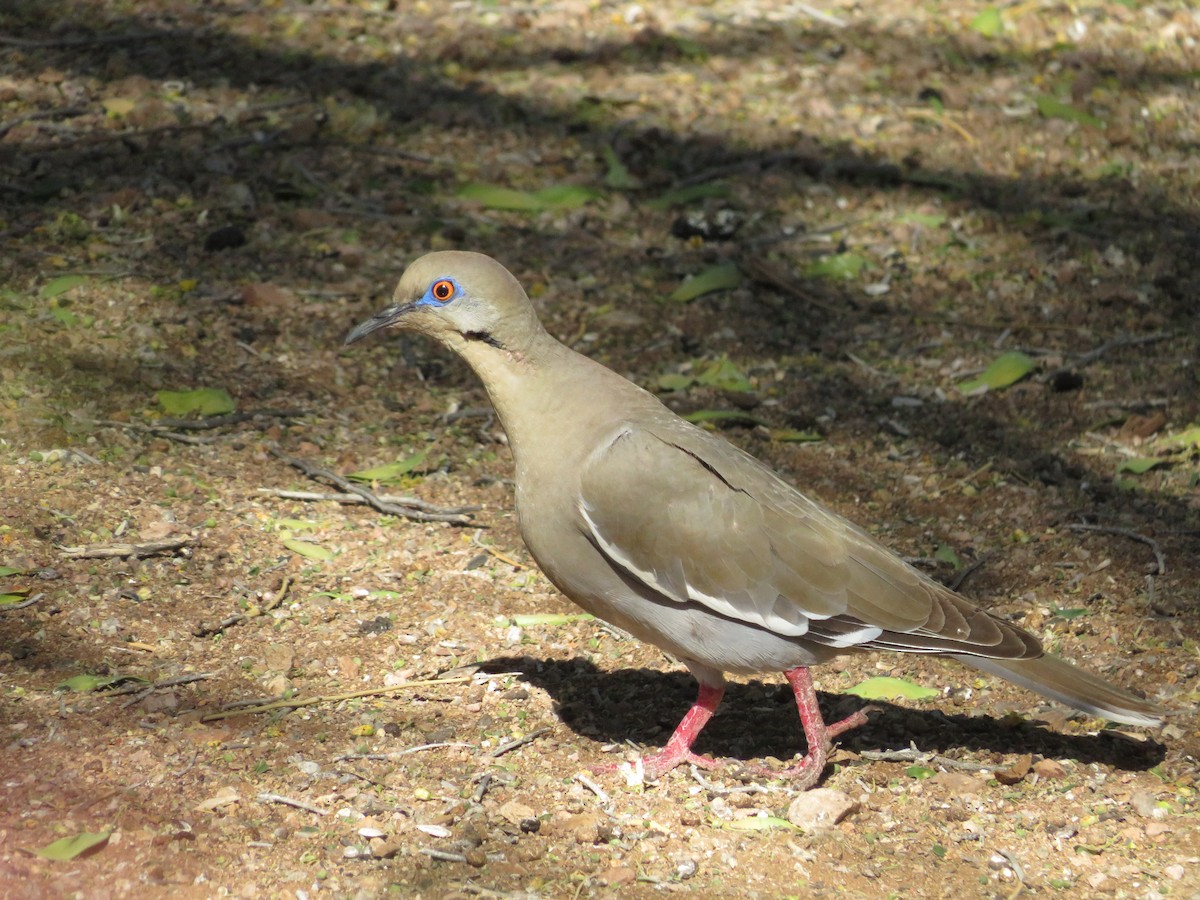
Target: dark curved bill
pixel 382 319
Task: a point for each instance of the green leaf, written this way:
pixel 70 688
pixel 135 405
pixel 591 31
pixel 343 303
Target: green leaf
pixel 61 285
pixel 885 688
pixel 684 195
pixel 307 550
pixel 725 376
pixel 9 570
pixel 791 435
pixel 1067 614
pixel 10 599
pixel 1185 440
pixel 715 278
pixel 988 23
pixel 550 619
pixel 673 381
pixel 203 401
pixel 947 555
pixel 939 851
pixel 64 316
pixel 760 823
pixel 83 684
pixel 559 196
pixel 70 847
pixel 618 177
pixel 296 525
pixel 926 220
pixel 392 472
pixel 1053 108
pixel 722 415
pixel 1139 465
pixel 919 772
pixel 840 265
pixel 1007 369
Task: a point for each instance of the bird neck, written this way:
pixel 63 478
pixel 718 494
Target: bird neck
pixel 540 392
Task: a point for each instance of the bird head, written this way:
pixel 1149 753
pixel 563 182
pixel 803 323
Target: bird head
pixel 459 298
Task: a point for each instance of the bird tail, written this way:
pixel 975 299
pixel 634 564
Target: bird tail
pixel 1060 680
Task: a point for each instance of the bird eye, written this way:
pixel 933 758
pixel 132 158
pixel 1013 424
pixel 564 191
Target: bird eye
pixel 442 290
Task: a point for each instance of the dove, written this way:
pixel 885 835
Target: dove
pixel 673 534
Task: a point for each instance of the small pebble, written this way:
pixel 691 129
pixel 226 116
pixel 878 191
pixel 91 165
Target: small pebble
pixel 820 808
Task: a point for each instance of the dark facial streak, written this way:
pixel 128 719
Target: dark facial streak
pixel 484 336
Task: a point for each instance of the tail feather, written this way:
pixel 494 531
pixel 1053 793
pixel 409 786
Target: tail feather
pixel 1059 680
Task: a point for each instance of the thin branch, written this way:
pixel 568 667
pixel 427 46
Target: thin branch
pixel 9 607
pixel 1159 557
pixel 268 797
pixel 151 429
pixel 509 746
pixel 1119 342
pixel 913 755
pixel 970 570
pixel 111 551
pixel 64 113
pixel 140 693
pixel 232 418
pixel 352 499
pixel 388 509
pixel 271 600
pixel 129 37
pixel 593 787
pixel 327 698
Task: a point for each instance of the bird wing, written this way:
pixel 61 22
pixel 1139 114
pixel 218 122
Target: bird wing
pixel 697 520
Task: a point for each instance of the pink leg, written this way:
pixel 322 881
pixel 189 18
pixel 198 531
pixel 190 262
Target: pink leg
pixel 679 748
pixel 819 735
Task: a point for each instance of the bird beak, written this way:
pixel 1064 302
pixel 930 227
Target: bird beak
pixel 383 319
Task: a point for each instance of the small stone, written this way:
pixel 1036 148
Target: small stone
pixel 1175 872
pixel 1049 768
pixel 476 857
pixel 1144 804
pixel 618 875
pixel 227 238
pixel 386 848
pixel 958 784
pixel 516 812
pixel 587 828
pixel 820 808
pixel 690 818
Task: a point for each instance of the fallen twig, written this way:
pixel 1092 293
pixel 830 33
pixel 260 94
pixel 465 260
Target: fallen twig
pixel 141 692
pixel 1117 343
pixel 352 499
pixel 232 418
pixel 593 787
pixel 296 703
pixel 110 551
pixel 913 755
pixel 485 782
pixel 509 746
pixel 1159 556
pixel 272 600
pixel 63 113
pixel 151 429
pixel 389 509
pixel 24 603
pixel 417 749
pixel 268 797
pixel 970 570
pixel 443 855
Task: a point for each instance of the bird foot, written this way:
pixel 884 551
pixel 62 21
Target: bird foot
pixel 807 772
pixel 656 765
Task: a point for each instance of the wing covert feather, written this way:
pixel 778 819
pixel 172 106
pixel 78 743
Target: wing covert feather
pixel 699 521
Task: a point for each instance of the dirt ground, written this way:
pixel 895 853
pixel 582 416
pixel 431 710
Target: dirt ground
pixel 209 196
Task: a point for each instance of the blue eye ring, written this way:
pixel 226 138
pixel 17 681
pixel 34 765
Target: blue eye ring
pixel 442 290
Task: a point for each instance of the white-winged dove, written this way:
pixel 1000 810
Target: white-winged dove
pixel 683 540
